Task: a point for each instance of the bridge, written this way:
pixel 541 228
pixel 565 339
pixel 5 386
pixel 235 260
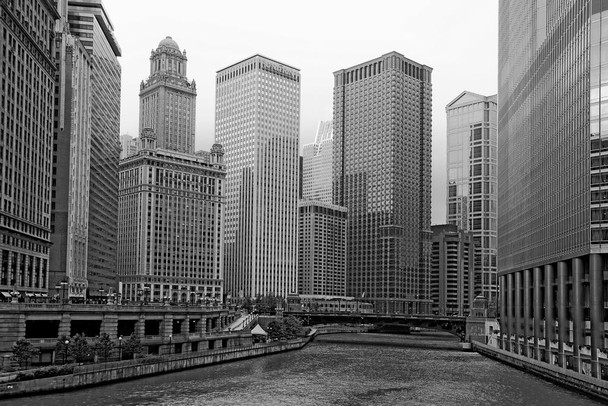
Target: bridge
pixel 386 322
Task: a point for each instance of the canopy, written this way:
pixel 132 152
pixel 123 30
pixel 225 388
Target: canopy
pixel 258 331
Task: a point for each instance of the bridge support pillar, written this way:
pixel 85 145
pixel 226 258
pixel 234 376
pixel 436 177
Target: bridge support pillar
pixel 538 305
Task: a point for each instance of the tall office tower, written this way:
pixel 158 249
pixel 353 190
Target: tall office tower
pixel 167 100
pixel 128 146
pixel 452 270
pixel 71 163
pixel 472 177
pixel 382 174
pixel 257 120
pixel 317 165
pixel 322 249
pixel 26 142
pixel 90 23
pixel 170 224
pixel 552 181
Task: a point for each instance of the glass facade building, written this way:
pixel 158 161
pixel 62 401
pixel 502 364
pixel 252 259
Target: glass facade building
pixel 552 238
pixel 167 100
pixel 382 175
pixel 472 178
pixel 26 144
pixel 257 121
pixel 317 165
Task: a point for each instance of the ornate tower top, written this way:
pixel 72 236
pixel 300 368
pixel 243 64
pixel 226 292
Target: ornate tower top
pixel 168 60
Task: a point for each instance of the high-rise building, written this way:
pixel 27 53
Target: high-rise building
pixel 317 165
pixel 90 23
pixel 322 249
pixel 168 100
pixel 257 120
pixel 170 224
pixel 552 182
pixel 472 177
pixel 382 174
pixel 26 144
pixel 128 145
pixel 452 270
pixel 71 163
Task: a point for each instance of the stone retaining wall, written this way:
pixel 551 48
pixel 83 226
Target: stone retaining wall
pixel 574 380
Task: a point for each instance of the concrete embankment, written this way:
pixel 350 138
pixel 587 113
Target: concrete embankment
pixel 97 374
pixel 574 380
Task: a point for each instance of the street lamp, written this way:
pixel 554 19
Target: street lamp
pixel 170 349
pixel 65 354
pixel 120 348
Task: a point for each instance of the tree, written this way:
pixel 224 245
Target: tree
pixel 276 330
pixel 293 327
pixel 23 351
pixel 103 346
pixel 79 348
pixel 132 345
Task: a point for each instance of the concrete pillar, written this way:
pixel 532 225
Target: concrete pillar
pixel 578 318
pixel 201 326
pixel 65 327
pixel 503 311
pixel 549 319
pixel 109 324
pixel 510 306
pixel 562 317
pixel 517 310
pixel 527 309
pixel 186 325
pixel 538 305
pixel 596 307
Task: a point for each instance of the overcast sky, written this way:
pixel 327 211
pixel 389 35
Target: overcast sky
pixel 458 39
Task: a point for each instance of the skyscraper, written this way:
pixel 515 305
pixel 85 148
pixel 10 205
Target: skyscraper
pixel 90 23
pixel 168 100
pixel 552 184
pixel 317 165
pixel 71 162
pixel 26 144
pixel 382 174
pixel 452 270
pixel 171 224
pixel 128 146
pixel 471 170
pixel 257 120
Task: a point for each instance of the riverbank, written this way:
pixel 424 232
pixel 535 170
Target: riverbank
pixel 98 374
pixel 554 373
pixel 425 340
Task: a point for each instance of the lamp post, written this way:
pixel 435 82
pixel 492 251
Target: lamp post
pixel 120 348
pixel 65 353
pixel 170 349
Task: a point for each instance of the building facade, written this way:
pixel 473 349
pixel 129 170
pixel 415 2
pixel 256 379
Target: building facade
pixel 322 249
pixel 129 146
pixel 452 270
pixel 317 165
pixel 71 162
pixel 552 184
pixel 257 120
pixel 382 174
pixel 26 144
pixel 168 100
pixel 171 224
pixel 472 178
pixel 90 23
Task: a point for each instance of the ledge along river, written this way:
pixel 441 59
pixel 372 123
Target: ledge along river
pixel 339 369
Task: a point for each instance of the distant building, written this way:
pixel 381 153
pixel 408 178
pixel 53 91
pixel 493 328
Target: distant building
pixel 472 177
pixel 317 165
pixel 26 144
pixel 171 224
pixel 129 146
pixel 452 270
pixel 322 249
pixel 168 100
pixel 257 121
pixel 382 174
pixel 90 23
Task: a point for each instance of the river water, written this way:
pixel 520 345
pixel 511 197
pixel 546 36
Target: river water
pixel 345 369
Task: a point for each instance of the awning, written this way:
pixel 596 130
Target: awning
pixel 29 295
pixel 6 294
pixel 258 331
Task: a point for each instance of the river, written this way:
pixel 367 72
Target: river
pixel 344 369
